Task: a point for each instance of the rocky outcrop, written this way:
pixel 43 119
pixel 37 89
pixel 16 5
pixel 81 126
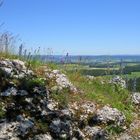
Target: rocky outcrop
pixel 118 81
pixel 42 137
pixel 14 68
pixel 82 110
pixel 12 130
pixel 59 81
pixel 90 77
pixel 31 113
pixel 23 102
pixel 125 136
pixel 109 115
pixel 95 133
pixel 61 128
pixel 132 133
pixel 14 92
pixel 136 98
pixel 9 131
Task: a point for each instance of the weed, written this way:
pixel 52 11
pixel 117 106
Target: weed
pixel 62 97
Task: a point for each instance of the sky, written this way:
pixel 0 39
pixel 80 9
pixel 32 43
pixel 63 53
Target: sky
pixel 79 27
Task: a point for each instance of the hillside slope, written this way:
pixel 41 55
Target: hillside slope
pixel 43 104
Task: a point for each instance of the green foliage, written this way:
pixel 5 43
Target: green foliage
pixel 99 72
pixel 42 126
pixel 62 97
pixel 52 65
pixel 2 113
pixel 28 84
pixel 100 91
pixel 129 69
pixel 7 56
pixel 33 64
pixel 114 129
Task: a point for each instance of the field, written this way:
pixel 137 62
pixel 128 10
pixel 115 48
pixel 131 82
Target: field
pixel 130 71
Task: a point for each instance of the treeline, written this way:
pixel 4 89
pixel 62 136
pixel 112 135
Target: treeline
pixel 129 69
pixel 99 72
pixel 102 72
pixel 110 65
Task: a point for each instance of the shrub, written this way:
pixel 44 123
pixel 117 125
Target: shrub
pixel 62 97
pixel 28 84
pixel 2 112
pixel 114 129
pixel 42 126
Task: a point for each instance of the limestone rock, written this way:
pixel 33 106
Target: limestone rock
pixel 78 134
pixel 125 136
pixel 25 126
pixel 94 133
pixel 136 98
pixel 90 77
pixel 109 115
pixel 118 81
pixel 60 80
pixel 84 108
pixel 8 131
pixel 14 68
pixel 14 92
pixel 52 105
pixel 60 129
pixel 43 137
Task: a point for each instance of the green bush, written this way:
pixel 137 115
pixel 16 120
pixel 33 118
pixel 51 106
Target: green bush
pixel 33 64
pixel 2 113
pixel 114 129
pixel 42 126
pixel 62 97
pixel 28 84
pixel 100 91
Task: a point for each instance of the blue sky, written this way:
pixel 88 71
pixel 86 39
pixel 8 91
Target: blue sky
pixel 76 26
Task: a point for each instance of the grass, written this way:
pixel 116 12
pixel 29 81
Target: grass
pixel 42 126
pixel 112 130
pixel 133 75
pixel 33 64
pixel 2 113
pixel 97 90
pixel 62 97
pixel 52 65
pixel 103 93
pixel 7 56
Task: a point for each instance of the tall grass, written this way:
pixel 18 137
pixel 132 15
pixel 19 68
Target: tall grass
pixel 10 50
pixel 100 91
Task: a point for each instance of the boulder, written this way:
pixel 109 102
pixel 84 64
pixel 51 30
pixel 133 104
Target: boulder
pixel 25 126
pixel 109 115
pixel 11 130
pixel 90 77
pixel 125 136
pixel 60 129
pixel 20 65
pixel 78 134
pixel 118 81
pixel 14 68
pixel 94 133
pixel 136 98
pixel 43 137
pixel 60 81
pixel 8 131
pixel 9 92
pixel 52 105
pixel 84 109
pixel 14 92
